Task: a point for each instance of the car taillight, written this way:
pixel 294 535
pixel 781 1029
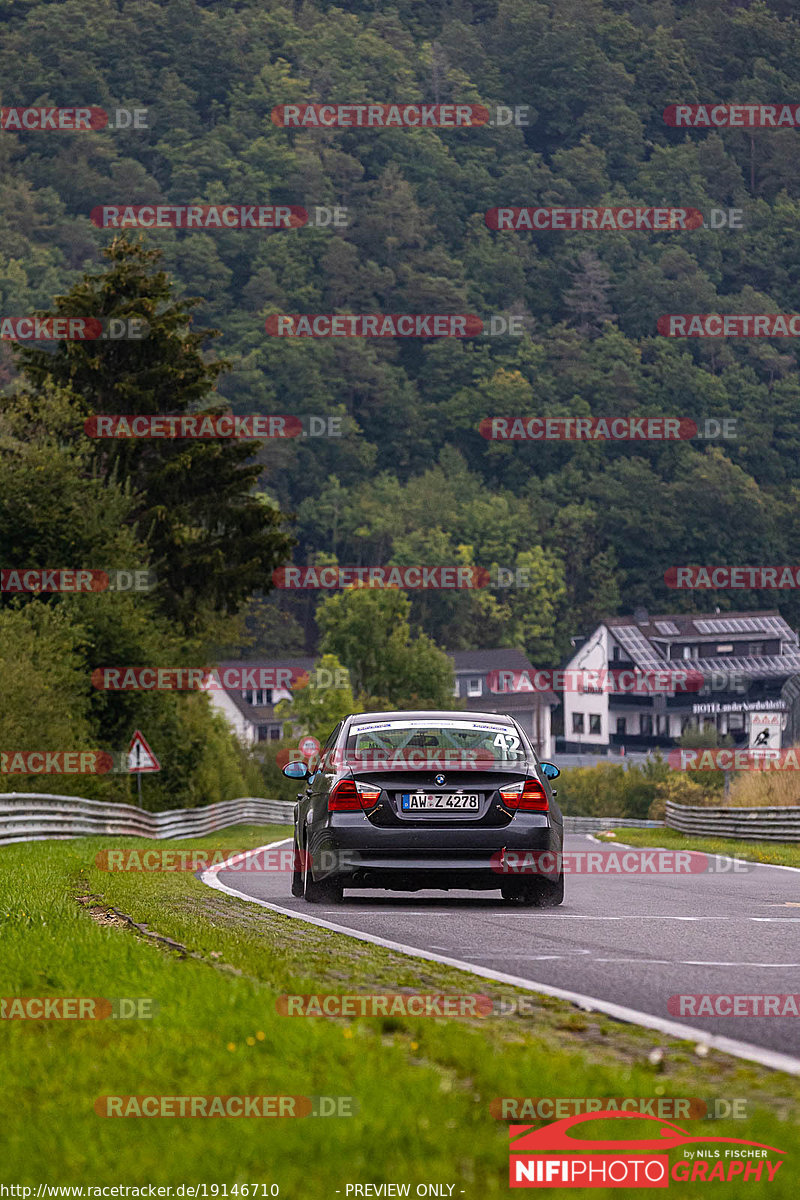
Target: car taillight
pixel 349 796
pixel 369 795
pixel 529 796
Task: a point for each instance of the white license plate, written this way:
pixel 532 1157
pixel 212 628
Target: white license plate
pixel 438 802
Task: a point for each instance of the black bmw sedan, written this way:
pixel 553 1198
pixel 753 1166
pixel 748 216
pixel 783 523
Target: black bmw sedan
pixel 412 800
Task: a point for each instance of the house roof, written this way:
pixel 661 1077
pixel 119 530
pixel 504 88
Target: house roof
pixel 303 663
pixel 698 626
pixel 512 702
pixel 503 659
pixel 642 640
pixel 264 712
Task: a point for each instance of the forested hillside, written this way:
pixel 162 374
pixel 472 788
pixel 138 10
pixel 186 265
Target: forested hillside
pixel 412 480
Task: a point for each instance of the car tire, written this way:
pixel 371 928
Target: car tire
pixel 298 887
pixel 534 893
pixel 518 891
pixel 322 891
pixel 549 894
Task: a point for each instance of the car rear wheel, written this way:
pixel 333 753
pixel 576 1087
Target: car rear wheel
pixel 550 894
pixel 322 891
pixel 297 873
pixel 534 893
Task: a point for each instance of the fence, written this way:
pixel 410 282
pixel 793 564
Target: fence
pixel 752 824
pixel 591 824
pixel 30 817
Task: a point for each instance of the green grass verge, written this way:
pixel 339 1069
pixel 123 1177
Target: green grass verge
pixel 787 854
pixel 423 1085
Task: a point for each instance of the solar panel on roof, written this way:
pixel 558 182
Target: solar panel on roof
pixel 638 646
pixel 758 667
pixel 740 625
pixel 667 627
pixel 759 625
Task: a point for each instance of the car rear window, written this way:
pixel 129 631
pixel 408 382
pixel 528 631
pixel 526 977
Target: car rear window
pixel 491 742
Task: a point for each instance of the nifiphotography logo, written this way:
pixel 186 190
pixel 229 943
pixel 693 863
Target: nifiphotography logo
pixel 552 1157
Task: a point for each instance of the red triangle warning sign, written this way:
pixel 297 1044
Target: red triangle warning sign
pixel 140 756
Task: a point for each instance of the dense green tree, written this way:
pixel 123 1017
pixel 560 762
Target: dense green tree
pixel 319 703
pixel 211 539
pixel 57 513
pixel 368 630
pixel 412 473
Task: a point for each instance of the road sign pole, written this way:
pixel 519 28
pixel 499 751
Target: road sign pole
pixel 139 787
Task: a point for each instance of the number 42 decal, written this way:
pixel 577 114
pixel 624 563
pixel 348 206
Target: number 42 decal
pixel 507 742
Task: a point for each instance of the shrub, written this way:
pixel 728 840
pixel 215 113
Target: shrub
pixel 762 789
pixel 611 790
pixel 680 789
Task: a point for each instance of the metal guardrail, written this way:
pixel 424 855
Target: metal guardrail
pixel 590 824
pixel 588 759
pixel 31 816
pixel 750 824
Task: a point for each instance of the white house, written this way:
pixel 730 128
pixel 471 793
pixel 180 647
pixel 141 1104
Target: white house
pixel 744 658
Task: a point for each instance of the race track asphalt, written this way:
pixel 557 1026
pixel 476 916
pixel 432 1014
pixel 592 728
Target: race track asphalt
pixel 630 939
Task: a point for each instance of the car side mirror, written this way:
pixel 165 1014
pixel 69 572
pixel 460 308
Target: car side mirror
pixel 550 770
pixel 296 770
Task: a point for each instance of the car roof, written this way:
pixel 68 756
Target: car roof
pixel 426 714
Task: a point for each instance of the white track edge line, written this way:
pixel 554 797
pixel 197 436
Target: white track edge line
pixel 746 1050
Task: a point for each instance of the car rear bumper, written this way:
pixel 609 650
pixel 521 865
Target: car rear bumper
pixel 356 853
